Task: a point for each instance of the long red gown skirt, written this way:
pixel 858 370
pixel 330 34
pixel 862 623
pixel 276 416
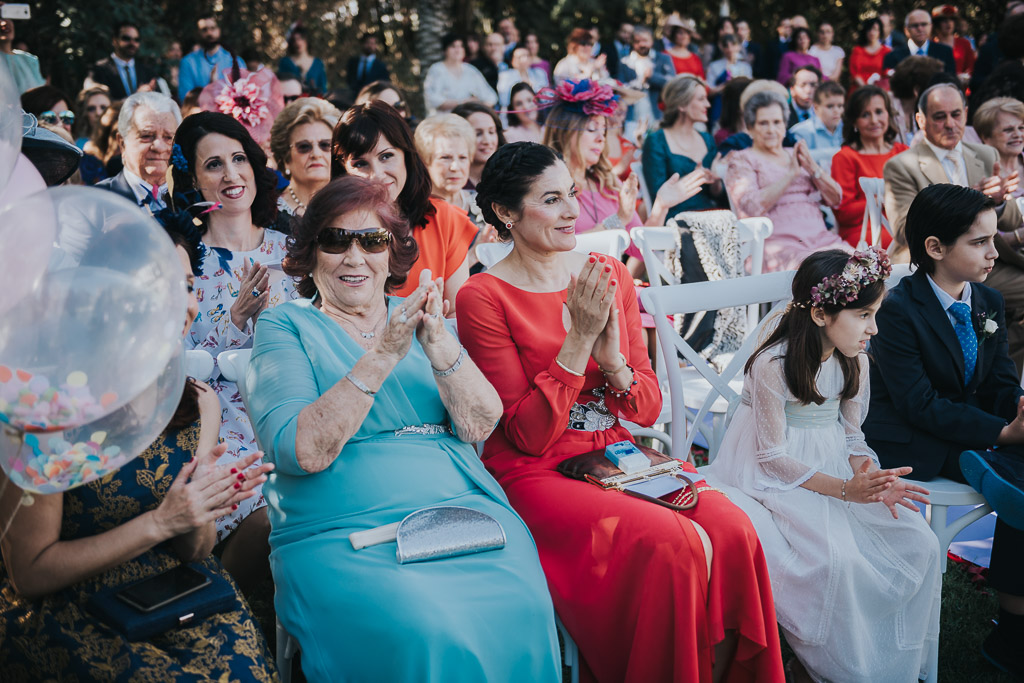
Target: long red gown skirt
pixel 628 577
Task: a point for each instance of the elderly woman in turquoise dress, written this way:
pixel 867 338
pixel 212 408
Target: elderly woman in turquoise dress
pixel 368 406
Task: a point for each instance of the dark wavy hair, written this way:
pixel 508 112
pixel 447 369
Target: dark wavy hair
pixel 357 134
pixel 865 27
pixel 341 196
pixel 855 107
pixel 802 358
pixel 196 127
pixel 43 98
pixel 507 178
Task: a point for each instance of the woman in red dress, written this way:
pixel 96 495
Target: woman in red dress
pixel 558 334
pixel 870 138
pixel 867 56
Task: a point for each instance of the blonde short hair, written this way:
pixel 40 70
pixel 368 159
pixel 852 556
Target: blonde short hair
pixel 677 94
pixel 450 126
pixel 985 117
pixel 301 111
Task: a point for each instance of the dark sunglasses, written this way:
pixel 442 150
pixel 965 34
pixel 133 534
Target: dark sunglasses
pixel 51 117
pixel 128 39
pixel 338 241
pixel 305 146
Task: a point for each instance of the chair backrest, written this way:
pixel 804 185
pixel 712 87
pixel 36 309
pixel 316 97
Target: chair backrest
pixel 899 271
pixel 489 253
pixel 823 157
pixel 232 366
pixel 610 242
pixel 198 364
pixel 645 192
pixel 696 297
pixel 874 193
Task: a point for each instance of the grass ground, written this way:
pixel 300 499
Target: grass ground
pixel 967 612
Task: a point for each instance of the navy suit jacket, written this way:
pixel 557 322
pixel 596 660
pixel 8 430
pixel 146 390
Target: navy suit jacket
pixel 943 53
pixel 921 414
pixel 378 71
pixel 119 184
pixel 664 71
pixel 106 73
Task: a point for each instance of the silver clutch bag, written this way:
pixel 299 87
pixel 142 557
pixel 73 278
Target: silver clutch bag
pixel 436 533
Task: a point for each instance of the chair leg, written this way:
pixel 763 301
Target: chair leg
pixel 287 646
pixel 572 654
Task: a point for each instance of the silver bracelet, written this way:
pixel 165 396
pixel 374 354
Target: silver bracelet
pixel 613 222
pixel 455 366
pixel 358 383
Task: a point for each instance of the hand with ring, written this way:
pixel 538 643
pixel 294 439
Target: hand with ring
pixel 397 336
pixel 254 294
pixel 432 332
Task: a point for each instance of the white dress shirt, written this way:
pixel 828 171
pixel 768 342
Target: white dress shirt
pixel 945 300
pixel 952 161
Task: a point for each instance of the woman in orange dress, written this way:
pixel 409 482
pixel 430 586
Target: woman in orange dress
pixel 870 138
pixel 372 140
pixel 558 335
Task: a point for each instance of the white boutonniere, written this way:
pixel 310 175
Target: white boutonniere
pixel 987 326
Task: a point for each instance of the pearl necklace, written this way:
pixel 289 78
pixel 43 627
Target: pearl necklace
pixel 295 198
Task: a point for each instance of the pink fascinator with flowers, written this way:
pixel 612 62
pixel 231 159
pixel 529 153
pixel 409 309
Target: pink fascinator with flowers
pixel 253 98
pixel 587 97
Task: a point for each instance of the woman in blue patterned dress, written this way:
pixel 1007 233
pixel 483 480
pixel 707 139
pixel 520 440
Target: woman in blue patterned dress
pixel 151 515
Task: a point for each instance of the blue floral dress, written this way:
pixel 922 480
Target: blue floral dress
pixel 57 638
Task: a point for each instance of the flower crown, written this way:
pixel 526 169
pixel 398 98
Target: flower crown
pixel 582 97
pixel 864 268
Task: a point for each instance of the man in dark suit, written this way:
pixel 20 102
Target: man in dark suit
pixel 492 61
pixel 121 71
pixel 367 67
pixel 942 383
pixel 145 135
pixel 891 38
pixel 918 27
pixel 774 49
pixel 750 51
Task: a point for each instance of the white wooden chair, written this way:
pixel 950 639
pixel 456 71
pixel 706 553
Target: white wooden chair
pixel 489 253
pixel 198 364
pixel 823 157
pixel 654 245
pixel 701 390
pixel 874 192
pixel 645 192
pixel 611 242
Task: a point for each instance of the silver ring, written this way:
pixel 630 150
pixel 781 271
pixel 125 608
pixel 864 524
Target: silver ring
pixel 255 292
pixel 402 317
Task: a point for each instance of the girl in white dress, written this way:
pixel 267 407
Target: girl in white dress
pixel 856 584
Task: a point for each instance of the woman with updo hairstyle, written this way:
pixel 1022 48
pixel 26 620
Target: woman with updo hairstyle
pixel 523 120
pixel 870 138
pixel 369 408
pixel 300 141
pixel 558 334
pixel 373 141
pixel 678 147
pixel 221 180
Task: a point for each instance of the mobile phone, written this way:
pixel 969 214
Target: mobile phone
pixel 15 10
pixel 164 588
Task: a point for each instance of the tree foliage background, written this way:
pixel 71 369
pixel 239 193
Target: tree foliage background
pixel 69 36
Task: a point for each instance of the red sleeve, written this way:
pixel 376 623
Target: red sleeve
pixel 644 405
pixel 536 409
pixel 850 212
pixel 858 61
pixel 459 232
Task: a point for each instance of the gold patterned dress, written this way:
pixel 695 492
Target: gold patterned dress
pixel 57 638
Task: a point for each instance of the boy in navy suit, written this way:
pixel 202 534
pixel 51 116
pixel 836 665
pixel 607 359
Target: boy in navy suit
pixel 942 383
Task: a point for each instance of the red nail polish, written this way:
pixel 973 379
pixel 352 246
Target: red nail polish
pixel 234 471
pixel 607 269
pixel 237 485
pixel 241 477
pixel 592 259
pixel 234 507
pixel 601 259
pixel 613 283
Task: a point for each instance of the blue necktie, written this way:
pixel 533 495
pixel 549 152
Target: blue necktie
pixel 968 339
pixel 921 52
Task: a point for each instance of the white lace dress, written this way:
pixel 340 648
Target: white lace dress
pixel 856 591
pixel 217 286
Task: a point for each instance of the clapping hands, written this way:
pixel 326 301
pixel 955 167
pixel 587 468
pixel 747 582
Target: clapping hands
pixel 592 310
pixel 253 294
pixel 627 198
pixel 998 187
pixel 677 190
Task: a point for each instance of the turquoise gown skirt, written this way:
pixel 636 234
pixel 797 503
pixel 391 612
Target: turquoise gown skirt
pixel 359 615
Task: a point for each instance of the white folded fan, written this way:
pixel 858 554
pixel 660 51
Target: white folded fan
pixel 436 533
